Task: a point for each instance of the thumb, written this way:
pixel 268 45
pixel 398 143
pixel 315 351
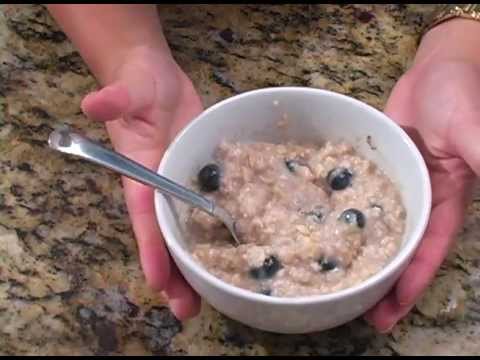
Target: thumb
pixel 398 104
pixel 128 96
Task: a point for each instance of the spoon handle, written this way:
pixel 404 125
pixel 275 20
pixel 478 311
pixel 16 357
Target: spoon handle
pixel 72 143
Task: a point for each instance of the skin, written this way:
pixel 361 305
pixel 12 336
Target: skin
pixel 146 98
pixel 436 102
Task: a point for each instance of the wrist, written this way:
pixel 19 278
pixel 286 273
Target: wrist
pixel 140 53
pixel 106 34
pixel 456 40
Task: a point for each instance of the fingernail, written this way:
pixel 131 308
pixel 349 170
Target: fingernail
pixel 85 100
pixel 174 305
pixel 93 93
pixel 178 309
pixel 368 319
pixel 387 330
pixel 381 331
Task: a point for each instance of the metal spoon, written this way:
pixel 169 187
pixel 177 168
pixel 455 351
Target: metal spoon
pixel 72 143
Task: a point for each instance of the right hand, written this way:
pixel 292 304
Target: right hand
pixel 147 100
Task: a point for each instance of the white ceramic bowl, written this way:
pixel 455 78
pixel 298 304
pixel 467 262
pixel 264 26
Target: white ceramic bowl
pixel 312 115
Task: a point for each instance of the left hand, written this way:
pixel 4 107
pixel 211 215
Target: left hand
pixel 436 102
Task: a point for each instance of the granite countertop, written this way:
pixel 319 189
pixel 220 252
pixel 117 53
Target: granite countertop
pixel 70 281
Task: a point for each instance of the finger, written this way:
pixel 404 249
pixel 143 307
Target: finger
pixel 130 94
pixel 466 142
pixel 154 257
pixel 445 221
pixel 161 273
pixel 106 104
pixel 183 300
pixel 385 315
pixel 398 106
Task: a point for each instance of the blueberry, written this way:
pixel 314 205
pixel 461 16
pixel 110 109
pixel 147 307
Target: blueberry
pixel 267 292
pixel 209 177
pixel 327 263
pixel 291 165
pixel 316 215
pixel 339 178
pixel 353 217
pixel 270 267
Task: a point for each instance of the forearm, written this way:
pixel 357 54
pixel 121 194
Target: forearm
pixel 454 40
pixel 105 33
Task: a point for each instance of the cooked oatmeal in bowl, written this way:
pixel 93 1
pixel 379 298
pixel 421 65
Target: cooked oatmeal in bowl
pixel 331 207
pixel 312 219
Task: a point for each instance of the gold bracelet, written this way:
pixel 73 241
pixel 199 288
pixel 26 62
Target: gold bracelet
pixel 451 11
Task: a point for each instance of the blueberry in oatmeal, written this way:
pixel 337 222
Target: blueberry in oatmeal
pixel 316 214
pixel 339 178
pixel 291 165
pixel 209 178
pixel 327 263
pixel 353 217
pixel 267 292
pixel 269 268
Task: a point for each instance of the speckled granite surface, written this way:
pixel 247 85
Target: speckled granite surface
pixel 69 275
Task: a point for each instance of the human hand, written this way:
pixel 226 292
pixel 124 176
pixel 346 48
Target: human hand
pixel 148 98
pixel 436 102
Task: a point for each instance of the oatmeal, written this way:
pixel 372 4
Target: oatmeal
pixel 312 220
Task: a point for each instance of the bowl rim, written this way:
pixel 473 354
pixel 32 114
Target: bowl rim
pixel 402 257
